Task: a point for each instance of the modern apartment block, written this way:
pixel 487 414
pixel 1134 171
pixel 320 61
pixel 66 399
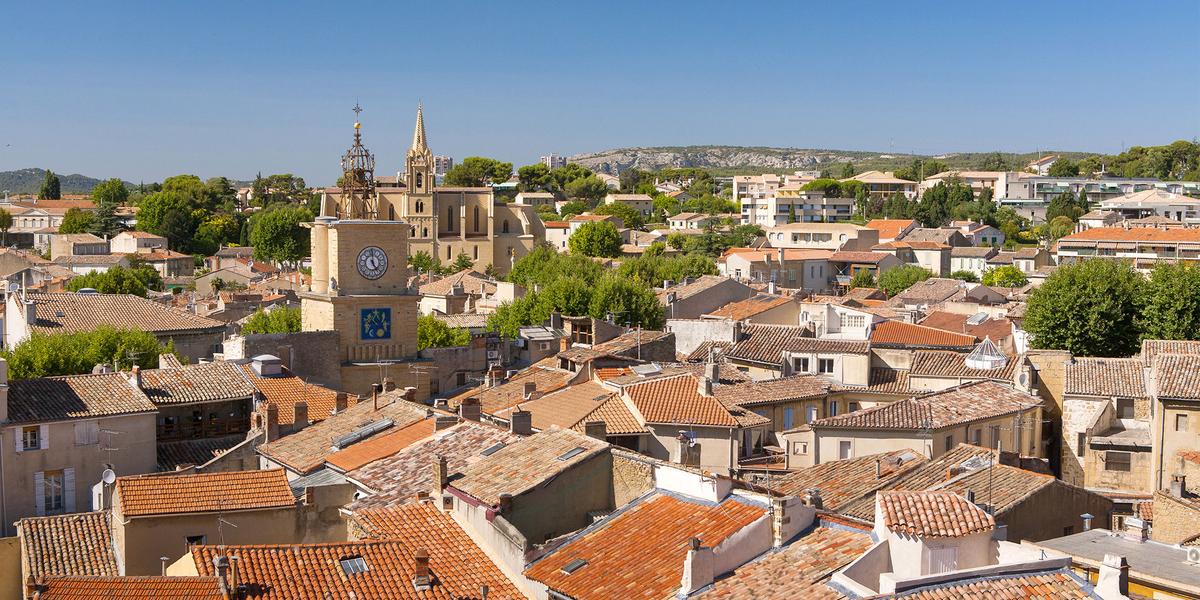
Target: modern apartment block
pixel 553 161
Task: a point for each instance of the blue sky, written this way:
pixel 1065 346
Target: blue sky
pixel 147 90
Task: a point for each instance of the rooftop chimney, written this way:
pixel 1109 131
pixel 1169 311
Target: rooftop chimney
pixel 1113 582
pixel 527 389
pixel 30 312
pixel 221 565
pixel 697 568
pixel 596 429
pixel 299 416
pixel 1136 530
pixel 135 377
pixel 470 410
pixel 441 422
pixel 272 431
pixel 878 468
pixel 520 422
pixel 1178 485
pixel 341 402
pixel 706 386
pixel 441 475
pixel 813 498
pixel 770 287
pixel 422 581
pixel 712 371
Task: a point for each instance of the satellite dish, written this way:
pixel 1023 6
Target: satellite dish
pixel 108 476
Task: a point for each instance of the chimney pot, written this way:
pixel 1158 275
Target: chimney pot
pixel 1113 580
pixel 272 431
pixel 1178 485
pixel 470 410
pixel 299 416
pixel 706 386
pixel 520 422
pixel 441 475
pixel 421 578
pixel 341 402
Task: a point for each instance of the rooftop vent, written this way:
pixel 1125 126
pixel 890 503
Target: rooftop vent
pixel 573 566
pixel 362 433
pixel 569 454
pixel 353 565
pixel 977 318
pixel 490 450
pixel 267 365
pixel 646 370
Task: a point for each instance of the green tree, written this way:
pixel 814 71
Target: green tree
pixel 590 188
pixel 218 230
pixel 1171 303
pixel 1089 308
pixel 1064 168
pixel 572 208
pixel 963 275
pixel 462 262
pixel 629 180
pixel 596 238
pixel 423 262
pixel 666 206
pixel 169 214
pixel 994 162
pixel 135 280
pixel 651 270
pixel 1005 276
pixel 743 236
pixel 6 223
pixel 511 316
pixel 477 171
pixel 433 333
pixel 921 168
pixel 277 235
pixel 1064 205
pixel 628 303
pixel 281 187
pixel 51 188
pixel 46 355
pixel 676 240
pixel 108 195
pixel 568 295
pixel 630 216
pixel 848 170
pixel 897 279
pixel 863 278
pixel 535 178
pixel 280 319
pixel 544 265
pixel 76 220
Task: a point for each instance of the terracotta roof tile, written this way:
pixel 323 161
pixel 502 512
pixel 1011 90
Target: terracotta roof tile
pixel 205 382
pixel 75 544
pixel 881 380
pixel 1107 377
pixel 889 228
pixel 565 407
pixel 285 390
pixel 744 309
pixel 313 571
pixel 941 363
pixel 397 479
pixel 899 334
pixel 130 588
pixel 996 329
pixel 1058 584
pixel 471 282
pixel 767 343
pixel 148 495
pixel 640 551
pixel 800 569
pixel 843 481
pixel 186 453
pixel 955 406
pixel 85 312
pixel 932 514
pixel 543 375
pixel 453 556
pixel 304 451
pixel 677 400
pixel 726 374
pixel 74 397
pixel 697 286
pixel 859 257
pixel 1133 234
pixel 617 418
pixel 1177 376
pixel 624 345
pixel 380 446
pixel 1152 348
pixel 525 464
pixel 786 389
pixel 702 352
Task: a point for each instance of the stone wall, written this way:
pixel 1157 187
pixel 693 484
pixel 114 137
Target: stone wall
pixel 311 355
pixel 1175 519
pixel 632 476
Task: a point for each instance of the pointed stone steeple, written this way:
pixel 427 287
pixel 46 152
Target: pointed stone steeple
pixel 419 144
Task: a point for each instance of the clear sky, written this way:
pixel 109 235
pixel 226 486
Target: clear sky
pixel 144 90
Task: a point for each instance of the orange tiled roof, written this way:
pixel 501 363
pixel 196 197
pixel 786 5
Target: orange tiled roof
pixel 453 556
pixel 997 329
pixel 1178 376
pixel 379 446
pixel 898 333
pixel 843 481
pixel 519 467
pixel 129 588
pixel 1133 234
pixel 85 312
pixel 966 403
pixel 75 544
pixel 944 363
pixel 932 514
pixel 286 390
pixel 1152 348
pixel 1107 377
pixel 744 309
pixel 617 418
pixel 799 570
pixel 148 495
pixel 545 376
pixel 889 228
pixel 786 389
pixel 1059 584
pixel 564 407
pixel 677 400
pixel 640 552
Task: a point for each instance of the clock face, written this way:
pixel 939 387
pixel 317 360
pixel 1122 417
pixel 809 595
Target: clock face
pixel 372 262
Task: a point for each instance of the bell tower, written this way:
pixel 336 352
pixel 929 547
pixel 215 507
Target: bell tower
pixel 418 164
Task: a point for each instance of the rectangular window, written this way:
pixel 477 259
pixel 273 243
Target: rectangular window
pixel 800 448
pixel 833 408
pixel 800 365
pixel 812 414
pixel 825 365
pixel 949 443
pixel 942 560
pixel 1080 444
pixel 1117 461
pixel 977 437
pixel 1124 408
pixel 31 438
pixel 853 406
pixel 844 450
pixel 194 540
pixel 787 417
pixel 1181 422
pixel 853 321
pixel 87 433
pixel 52 490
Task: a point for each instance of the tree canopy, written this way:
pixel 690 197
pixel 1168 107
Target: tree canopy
pixel 476 171
pixel 1089 308
pixel 897 279
pixel 630 216
pixel 277 235
pixel 51 187
pixel 47 355
pixel 433 333
pixel 1063 168
pixel 1005 276
pixel 280 319
pixel 135 280
pixel 76 220
pixel 1170 308
pixel 596 238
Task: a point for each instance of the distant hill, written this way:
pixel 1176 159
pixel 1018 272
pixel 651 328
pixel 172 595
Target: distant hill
pixel 29 181
pixel 729 160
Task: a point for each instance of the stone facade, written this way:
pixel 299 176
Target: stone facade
pixel 1175 519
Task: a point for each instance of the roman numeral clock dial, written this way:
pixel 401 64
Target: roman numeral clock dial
pixel 372 262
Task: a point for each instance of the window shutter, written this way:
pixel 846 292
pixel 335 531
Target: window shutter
pixel 80 433
pixel 69 489
pixel 19 433
pixel 44 436
pixel 39 493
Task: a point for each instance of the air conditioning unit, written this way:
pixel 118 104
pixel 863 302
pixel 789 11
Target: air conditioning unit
pixel 1193 556
pixel 493 354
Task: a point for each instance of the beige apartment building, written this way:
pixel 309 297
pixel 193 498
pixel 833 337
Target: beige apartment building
pixel 640 202
pixel 822 236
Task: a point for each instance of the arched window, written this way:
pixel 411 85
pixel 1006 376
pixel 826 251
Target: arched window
pixel 476 215
pixel 391 212
pixel 424 232
pixel 447 252
pixel 449 218
pixel 504 226
pixel 476 249
pixel 420 180
pixel 420 207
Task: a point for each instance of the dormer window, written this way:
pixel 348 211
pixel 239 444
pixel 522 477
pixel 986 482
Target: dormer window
pixel 353 565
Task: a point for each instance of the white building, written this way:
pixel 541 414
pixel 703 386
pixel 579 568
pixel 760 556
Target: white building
pixel 553 161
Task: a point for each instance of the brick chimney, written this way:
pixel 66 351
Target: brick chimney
pixel 1178 485
pixel 441 422
pixel 705 387
pixel 221 566
pixel 520 422
pixel 1113 581
pixel 135 377
pixel 272 431
pixel 299 416
pixel 441 475
pixel 470 410
pixel 505 505
pixel 697 568
pixel 596 429
pixel 341 402
pixel 564 343
pixel 422 581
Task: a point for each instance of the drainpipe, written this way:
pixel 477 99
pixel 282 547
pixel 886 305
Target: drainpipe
pixel 3 504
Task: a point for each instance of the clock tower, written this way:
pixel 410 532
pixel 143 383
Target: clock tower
pixel 360 284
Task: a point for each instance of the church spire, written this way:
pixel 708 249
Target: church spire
pixel 419 144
